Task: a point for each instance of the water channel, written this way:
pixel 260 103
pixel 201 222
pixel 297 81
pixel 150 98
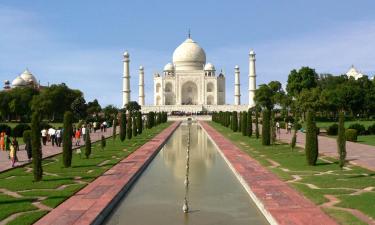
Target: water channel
pixel 214 195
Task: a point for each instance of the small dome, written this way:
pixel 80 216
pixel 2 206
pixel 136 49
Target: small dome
pixel 141 68
pixel 126 54
pixel 19 82
pixel 169 67
pixel 28 77
pixel 209 67
pixel 6 82
pixel 189 56
pixel 252 52
pixel 237 67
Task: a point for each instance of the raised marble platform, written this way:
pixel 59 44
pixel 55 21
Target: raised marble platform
pixel 193 108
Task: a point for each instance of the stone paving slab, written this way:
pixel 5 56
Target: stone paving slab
pixel 89 205
pixel 280 203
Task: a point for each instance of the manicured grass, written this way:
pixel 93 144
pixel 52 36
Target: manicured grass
pixel 365 123
pixel 344 217
pixel 326 178
pixel 363 139
pixel 13 124
pixel 60 183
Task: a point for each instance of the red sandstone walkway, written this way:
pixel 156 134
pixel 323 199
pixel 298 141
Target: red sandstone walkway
pixel 275 198
pixel 90 204
pixel 47 150
pixel 358 154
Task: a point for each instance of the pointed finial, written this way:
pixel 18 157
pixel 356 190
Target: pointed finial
pixel 189 34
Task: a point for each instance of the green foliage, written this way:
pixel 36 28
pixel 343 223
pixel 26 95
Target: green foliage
pixel 311 144
pixel 139 122
pixel 36 146
pixel 234 121
pixel 341 140
pixel 371 129
pixel 158 120
pixel 26 136
pixel 87 146
pixel 304 78
pixel 263 96
pixel 245 124
pixel 122 126
pixel 296 127
pixel 351 135
pixel 361 130
pixel 79 108
pixel 132 107
pixel 5 128
pixel 256 123
pixel 19 129
pixel 135 131
pixel 114 127
pixel 150 120
pixel 129 127
pixel 67 139
pixel 249 129
pixel 333 129
pixel 266 127
pixel 273 127
pixel 103 142
pixel 240 122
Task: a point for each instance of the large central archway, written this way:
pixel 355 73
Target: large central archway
pixel 189 93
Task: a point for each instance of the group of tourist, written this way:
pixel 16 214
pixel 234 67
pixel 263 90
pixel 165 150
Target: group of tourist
pixel 6 144
pixel 288 125
pixel 52 135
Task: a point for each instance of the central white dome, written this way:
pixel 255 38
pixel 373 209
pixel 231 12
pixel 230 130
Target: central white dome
pixel 189 56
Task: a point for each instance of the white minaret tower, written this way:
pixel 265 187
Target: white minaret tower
pixel 237 91
pixel 126 81
pixel 252 78
pixel 141 87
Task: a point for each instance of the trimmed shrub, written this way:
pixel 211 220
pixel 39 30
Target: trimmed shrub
pixel 333 129
pixel 129 127
pixel 87 146
pixel 114 128
pixel 135 131
pixel 122 126
pixel 371 129
pixel 245 124
pixel 150 120
pixel 351 135
pixel 139 122
pixel 103 142
pixel 67 139
pixel 296 127
pixel 256 123
pixel 27 140
pixel 361 130
pixel 273 127
pixel 266 127
pixel 158 120
pixel 36 147
pixel 240 122
pixel 341 140
pixel 234 121
pixel 5 128
pixel 311 144
pixel 45 125
pixel 249 129
pixel 19 129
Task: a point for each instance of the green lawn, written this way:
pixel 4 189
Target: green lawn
pixel 13 124
pixel 317 181
pixel 60 183
pixel 363 139
pixel 365 123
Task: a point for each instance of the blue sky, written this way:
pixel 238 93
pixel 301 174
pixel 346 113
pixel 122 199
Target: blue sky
pixel 81 42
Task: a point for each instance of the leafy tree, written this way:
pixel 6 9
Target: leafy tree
pixel 36 147
pixel 94 108
pixel 110 111
pixel 273 127
pixel 311 144
pixel 266 136
pixel 250 123
pixel 114 127
pixel 256 123
pixel 132 107
pixel 103 142
pixel 234 121
pixel 139 122
pixel 79 108
pixel 122 126
pixel 304 78
pixel 87 146
pixel 135 131
pixel 67 139
pixel 150 120
pixel 341 141
pixel 158 120
pixel 240 123
pixel 245 124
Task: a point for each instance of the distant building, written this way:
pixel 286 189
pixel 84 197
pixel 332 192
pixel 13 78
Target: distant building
pixel 25 79
pixel 353 72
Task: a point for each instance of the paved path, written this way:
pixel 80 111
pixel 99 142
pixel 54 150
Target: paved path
pixel 89 205
pixel 358 154
pixel 47 150
pixel 280 203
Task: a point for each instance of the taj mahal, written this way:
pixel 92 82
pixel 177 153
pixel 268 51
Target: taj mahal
pixel 190 84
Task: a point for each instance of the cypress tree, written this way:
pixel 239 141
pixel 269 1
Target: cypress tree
pixel 311 145
pixel 114 127
pixel 135 131
pixel 240 123
pixel 266 128
pixel 129 126
pixel 256 123
pixel 122 126
pixel 234 121
pixel 294 137
pixel 150 120
pixel 67 139
pixel 103 142
pixel 249 123
pixel 139 122
pixel 245 124
pixel 36 147
pixel 341 140
pixel 88 146
pixel 273 127
pixel 159 118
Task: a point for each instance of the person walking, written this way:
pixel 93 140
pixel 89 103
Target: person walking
pixel 105 126
pixel 78 137
pixel 94 126
pixel 278 127
pixel 44 136
pixel 13 151
pixel 58 137
pixel 289 128
pixel 7 143
pixel 2 141
pixel 83 132
pixel 52 135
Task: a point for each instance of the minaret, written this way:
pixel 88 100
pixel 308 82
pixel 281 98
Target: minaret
pixel 141 87
pixel 252 78
pixel 237 92
pixel 126 81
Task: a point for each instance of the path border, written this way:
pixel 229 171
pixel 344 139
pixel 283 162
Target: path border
pixel 93 203
pixel 278 202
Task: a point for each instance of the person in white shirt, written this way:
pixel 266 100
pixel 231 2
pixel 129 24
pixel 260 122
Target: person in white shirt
pixel 52 135
pixel 44 136
pixel 83 132
pixel 58 137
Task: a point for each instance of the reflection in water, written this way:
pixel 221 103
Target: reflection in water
pixel 213 193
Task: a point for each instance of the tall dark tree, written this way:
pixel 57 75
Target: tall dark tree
pixel 79 108
pixel 129 126
pixel 132 107
pixel 266 136
pixel 245 124
pixel 341 141
pixel 234 121
pixel 114 128
pixel 139 122
pixel 36 146
pixel 311 144
pixel 256 122
pixel 304 78
pixel 67 139
pixel 122 126
pixel 150 120
pixel 273 128
pixel 135 131
pixel 87 146
pixel 250 123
